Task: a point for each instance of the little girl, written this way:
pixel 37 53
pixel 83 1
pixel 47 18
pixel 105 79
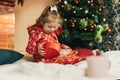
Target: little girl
pixel 44 31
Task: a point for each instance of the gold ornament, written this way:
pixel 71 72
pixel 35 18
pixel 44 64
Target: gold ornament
pixel 74 11
pixel 65 19
pixel 80 8
pixel 65 2
pixel 73 24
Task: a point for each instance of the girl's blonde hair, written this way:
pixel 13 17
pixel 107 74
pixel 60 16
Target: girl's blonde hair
pixel 48 16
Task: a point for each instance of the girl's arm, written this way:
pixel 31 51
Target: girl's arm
pixel 35 39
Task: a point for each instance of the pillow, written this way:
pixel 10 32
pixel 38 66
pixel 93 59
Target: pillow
pixel 9 56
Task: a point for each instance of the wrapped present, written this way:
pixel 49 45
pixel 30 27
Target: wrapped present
pixel 52 50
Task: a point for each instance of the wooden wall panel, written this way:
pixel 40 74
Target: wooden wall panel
pixel 7 31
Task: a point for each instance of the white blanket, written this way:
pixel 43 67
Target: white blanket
pixel 26 70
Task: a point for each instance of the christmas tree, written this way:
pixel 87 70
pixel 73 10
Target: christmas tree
pixel 84 23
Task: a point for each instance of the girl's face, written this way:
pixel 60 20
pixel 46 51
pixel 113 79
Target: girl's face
pixel 49 27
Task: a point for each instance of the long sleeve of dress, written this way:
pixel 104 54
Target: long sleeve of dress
pixel 35 36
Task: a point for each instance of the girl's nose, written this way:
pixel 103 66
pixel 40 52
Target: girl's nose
pixel 51 29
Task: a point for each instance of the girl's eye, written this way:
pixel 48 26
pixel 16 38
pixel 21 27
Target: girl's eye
pixel 51 27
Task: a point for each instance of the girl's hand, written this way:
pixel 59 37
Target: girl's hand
pixel 41 49
pixel 63 46
pixel 65 49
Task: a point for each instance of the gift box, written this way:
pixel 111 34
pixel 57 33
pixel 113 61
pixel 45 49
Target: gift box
pixel 52 50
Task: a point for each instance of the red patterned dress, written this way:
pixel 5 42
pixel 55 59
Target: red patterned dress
pixel 36 37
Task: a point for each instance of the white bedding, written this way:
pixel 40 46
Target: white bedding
pixel 26 70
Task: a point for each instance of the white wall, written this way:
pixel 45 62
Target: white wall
pixel 25 16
